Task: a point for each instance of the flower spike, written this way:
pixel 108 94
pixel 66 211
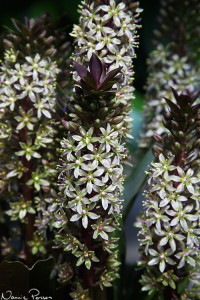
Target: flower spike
pixel 169 227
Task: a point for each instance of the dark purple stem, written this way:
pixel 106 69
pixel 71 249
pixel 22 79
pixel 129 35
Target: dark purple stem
pixel 27 190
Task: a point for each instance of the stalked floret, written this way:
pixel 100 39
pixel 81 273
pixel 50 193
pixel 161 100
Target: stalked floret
pixel 169 228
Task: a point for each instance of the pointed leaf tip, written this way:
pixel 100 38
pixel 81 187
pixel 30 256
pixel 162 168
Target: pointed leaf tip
pixel 96 68
pixel 111 75
pixel 174 92
pixel 172 106
pixel 81 70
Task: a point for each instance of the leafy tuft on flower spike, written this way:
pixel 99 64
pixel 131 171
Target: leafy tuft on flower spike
pixel 169 234
pixel 96 78
pixel 91 172
pixel 90 184
pixel 109 30
pixel 174 62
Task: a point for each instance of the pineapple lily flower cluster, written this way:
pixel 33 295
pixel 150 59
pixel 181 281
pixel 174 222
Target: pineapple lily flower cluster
pixel 28 77
pixel 174 62
pixel 110 31
pixel 169 234
pixel 64 124
pixel 91 173
pixel 91 182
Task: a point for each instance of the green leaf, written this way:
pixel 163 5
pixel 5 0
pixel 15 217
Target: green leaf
pixel 46 113
pixel 42 249
pixel 28 157
pixel 20 126
pixel 172 284
pixel 30 182
pixel 44 182
pixel 34 250
pixel 36 155
pixel 31 210
pixel 88 264
pixel 22 213
pixel 153 262
pixel 136 180
pixel 37 186
pixel 182 285
pixel 11 174
pixel 58 224
pixel 79 262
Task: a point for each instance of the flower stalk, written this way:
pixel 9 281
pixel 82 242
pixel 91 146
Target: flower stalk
pixel 91 172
